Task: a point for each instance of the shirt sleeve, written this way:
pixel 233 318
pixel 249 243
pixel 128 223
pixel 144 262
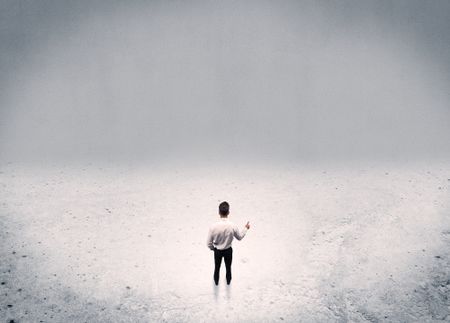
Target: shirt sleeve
pixel 209 240
pixel 239 234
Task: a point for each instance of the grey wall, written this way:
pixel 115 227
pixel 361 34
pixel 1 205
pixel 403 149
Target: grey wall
pixel 249 79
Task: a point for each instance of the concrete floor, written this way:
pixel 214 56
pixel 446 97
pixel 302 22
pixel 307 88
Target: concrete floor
pixel 122 243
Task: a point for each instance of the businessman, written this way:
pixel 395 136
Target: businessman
pixel 220 237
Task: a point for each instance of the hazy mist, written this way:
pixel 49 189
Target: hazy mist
pixel 280 80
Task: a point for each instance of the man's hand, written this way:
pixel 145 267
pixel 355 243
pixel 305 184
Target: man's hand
pixel 247 225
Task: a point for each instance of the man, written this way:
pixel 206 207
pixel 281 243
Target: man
pixel 219 239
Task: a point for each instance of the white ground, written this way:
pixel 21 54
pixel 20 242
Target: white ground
pixel 358 243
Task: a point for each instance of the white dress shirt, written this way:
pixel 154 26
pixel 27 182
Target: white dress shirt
pixel 221 234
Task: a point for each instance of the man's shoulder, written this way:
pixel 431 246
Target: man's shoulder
pixel 230 224
pixel 216 224
pixel 221 223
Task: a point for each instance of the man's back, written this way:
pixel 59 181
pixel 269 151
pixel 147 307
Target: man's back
pixel 221 234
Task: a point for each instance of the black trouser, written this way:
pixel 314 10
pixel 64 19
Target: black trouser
pixel 227 254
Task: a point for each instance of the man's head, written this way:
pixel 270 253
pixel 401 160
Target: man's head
pixel 224 209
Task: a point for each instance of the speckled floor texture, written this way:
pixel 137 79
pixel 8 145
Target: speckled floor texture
pixel 126 243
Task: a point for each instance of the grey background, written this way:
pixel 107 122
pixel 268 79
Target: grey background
pixel 281 80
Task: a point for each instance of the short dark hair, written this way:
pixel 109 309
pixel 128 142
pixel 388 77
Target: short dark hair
pixel 224 208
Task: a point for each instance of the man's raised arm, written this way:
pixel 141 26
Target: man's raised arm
pixel 240 234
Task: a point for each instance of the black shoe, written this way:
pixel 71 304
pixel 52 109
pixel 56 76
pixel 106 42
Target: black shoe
pixel 216 282
pixel 228 282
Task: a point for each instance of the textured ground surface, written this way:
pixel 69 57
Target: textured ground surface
pixel 361 243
